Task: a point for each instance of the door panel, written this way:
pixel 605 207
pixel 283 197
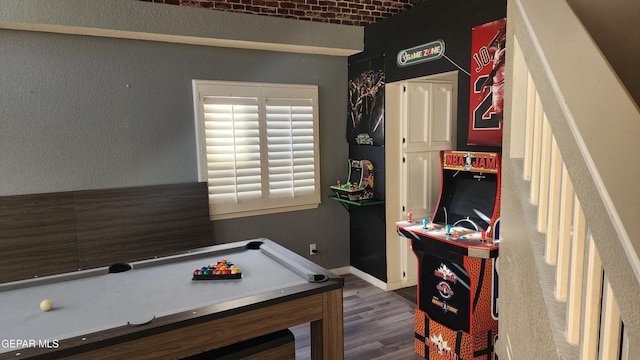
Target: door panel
pixel 429 116
pixel 442 115
pixel 422 183
pixel 417 105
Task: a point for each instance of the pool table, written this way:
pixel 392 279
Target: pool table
pixel 157 310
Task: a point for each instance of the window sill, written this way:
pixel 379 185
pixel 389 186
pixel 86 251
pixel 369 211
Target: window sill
pixel 240 214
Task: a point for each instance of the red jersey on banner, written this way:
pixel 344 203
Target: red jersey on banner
pixel 487 83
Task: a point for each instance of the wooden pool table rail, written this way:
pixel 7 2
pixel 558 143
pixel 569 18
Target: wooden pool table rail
pixel 323 311
pixel 214 326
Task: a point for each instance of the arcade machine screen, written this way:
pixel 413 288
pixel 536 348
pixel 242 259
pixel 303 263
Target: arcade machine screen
pixel 467 195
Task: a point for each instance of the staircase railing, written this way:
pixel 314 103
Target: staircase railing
pixel 571 130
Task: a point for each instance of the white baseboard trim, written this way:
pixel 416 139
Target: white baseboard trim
pixel 345 270
pixel 395 285
pixel 369 278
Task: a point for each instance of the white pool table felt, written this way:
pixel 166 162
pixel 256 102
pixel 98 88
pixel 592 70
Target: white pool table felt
pixel 110 300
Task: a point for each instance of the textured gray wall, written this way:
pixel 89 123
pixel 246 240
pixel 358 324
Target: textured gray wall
pixel 89 113
pixel 82 112
pixel 612 25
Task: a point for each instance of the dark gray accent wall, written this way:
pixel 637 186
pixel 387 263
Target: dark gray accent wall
pixel 448 20
pixel 83 112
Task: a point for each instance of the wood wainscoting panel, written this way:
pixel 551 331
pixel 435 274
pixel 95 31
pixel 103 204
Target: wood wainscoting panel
pixel 37 235
pixel 137 223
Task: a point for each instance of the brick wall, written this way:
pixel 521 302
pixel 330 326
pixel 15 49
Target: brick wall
pixel 353 12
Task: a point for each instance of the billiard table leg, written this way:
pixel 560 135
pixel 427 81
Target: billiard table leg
pixel 327 334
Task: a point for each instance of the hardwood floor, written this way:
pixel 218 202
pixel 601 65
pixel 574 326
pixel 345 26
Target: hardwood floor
pixel 377 324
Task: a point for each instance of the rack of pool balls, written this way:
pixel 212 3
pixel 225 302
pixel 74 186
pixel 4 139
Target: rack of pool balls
pixel 221 270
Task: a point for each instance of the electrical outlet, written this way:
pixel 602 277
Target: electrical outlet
pixel 312 249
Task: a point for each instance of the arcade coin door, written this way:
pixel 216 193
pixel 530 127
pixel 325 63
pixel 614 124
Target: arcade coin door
pixel 456 315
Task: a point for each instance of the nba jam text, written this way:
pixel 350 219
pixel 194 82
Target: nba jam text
pixel 477 162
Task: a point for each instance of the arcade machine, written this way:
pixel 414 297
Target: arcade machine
pixel 456 315
pixel 359 185
pixel 367 241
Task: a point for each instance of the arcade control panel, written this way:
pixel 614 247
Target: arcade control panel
pixel 458 234
pixel 466 240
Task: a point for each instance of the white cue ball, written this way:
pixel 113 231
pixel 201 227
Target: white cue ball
pixel 46 305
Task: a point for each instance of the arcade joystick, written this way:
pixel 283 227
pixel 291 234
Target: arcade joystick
pixel 424 223
pixel 448 229
pixel 409 217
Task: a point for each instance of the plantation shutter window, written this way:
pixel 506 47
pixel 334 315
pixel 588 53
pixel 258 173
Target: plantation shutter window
pixel 233 148
pixel 257 147
pixel 290 143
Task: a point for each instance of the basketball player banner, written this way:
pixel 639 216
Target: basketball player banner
pixel 487 83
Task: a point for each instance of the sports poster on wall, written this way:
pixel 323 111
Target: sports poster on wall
pixel 487 83
pixel 365 123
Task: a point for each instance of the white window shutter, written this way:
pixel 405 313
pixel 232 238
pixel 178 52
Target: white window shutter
pixel 258 146
pixel 291 149
pixel 232 131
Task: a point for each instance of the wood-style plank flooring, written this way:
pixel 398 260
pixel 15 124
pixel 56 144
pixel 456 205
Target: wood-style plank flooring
pixel 377 324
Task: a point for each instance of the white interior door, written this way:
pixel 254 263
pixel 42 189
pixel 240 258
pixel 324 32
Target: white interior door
pixel 428 126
